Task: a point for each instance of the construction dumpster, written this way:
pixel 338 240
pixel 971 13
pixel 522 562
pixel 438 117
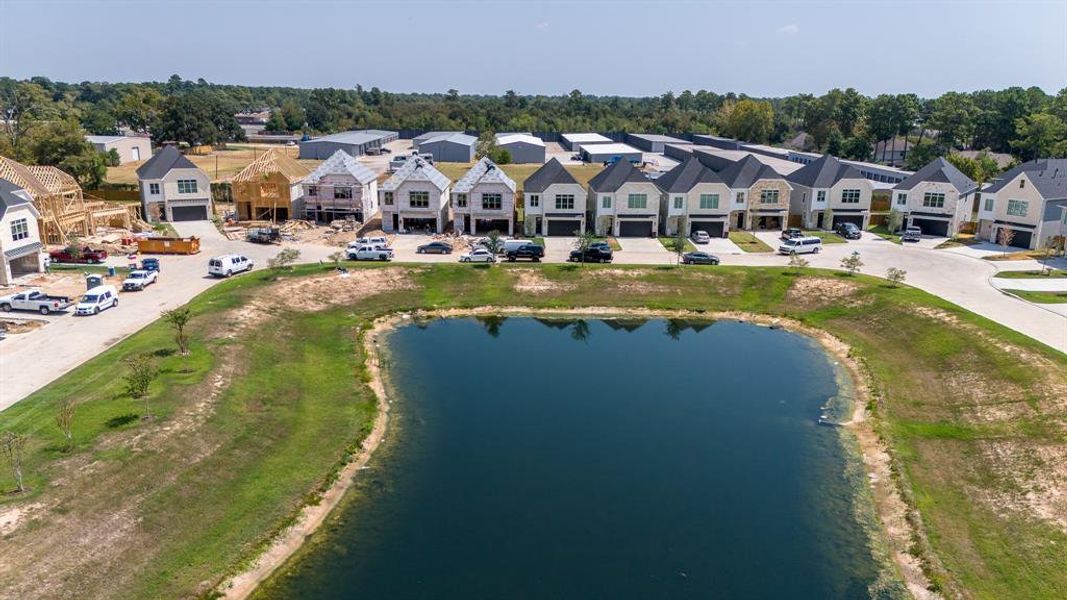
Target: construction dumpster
pixel 169 245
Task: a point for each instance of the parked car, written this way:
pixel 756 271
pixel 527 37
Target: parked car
pixel 35 300
pixel 791 233
pixel 263 235
pixel 150 264
pixel 101 297
pixel 139 280
pixel 801 245
pixel 379 241
pixel 509 245
pixel 593 254
pixel 369 252
pixel 912 234
pixel 528 251
pixel 701 237
pixel 435 248
pixel 699 258
pixel 228 264
pixel 482 255
pixel 849 231
pixel 78 255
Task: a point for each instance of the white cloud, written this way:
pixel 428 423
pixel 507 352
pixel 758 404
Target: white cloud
pixel 790 29
pixel 542 26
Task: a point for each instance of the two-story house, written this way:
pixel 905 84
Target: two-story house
pixel 484 200
pixel 173 188
pixel 938 198
pixel 759 195
pixel 415 198
pixel 1031 200
pixel 339 188
pixel 624 201
pixel 695 198
pixel 21 250
pixel 829 187
pixel 554 201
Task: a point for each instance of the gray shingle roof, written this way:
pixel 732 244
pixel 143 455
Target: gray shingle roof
pixel 823 173
pixel 12 196
pixel 686 175
pixel 416 169
pixel 549 173
pixel 159 165
pixel 483 171
pixel 341 163
pixel 745 172
pixel 1049 176
pixel 939 170
pixel 612 177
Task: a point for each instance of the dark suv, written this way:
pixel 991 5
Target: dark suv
pixel 849 231
pixel 596 253
pixel 791 233
pixel 532 252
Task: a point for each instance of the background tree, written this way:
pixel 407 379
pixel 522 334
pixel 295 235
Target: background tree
pixel 13 446
pixel 486 145
pixel 852 263
pixel 1040 135
pixel 895 276
pixel 922 153
pixel 141 371
pixel 747 119
pixel 65 421
pixel 23 107
pixel 178 318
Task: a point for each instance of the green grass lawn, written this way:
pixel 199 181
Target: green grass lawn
pixel 827 237
pixel 962 239
pixel 98 269
pixel 1041 297
pixel 883 232
pixel 1051 274
pixel 208 489
pixel 668 243
pixel 748 242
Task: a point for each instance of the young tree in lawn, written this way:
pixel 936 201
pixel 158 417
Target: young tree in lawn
pixel 493 242
pixel 895 221
pixel 796 262
pixel 178 318
pixel 895 276
pixel 13 446
pixel 828 218
pixel 336 258
pixel 141 373
pixel 65 421
pixel 678 242
pixel 284 259
pixel 852 263
pixel 584 242
pixel 1006 235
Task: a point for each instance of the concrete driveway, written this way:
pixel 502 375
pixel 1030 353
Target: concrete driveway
pixel 558 249
pixel 642 251
pixel 405 248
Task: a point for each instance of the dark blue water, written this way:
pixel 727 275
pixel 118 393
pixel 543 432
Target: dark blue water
pixel 598 459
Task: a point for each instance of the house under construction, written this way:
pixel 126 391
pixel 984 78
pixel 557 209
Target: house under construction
pixel 269 188
pixel 65 210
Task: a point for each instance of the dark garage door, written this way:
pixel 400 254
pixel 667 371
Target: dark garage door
pixel 856 220
pixel 635 228
pixel 562 227
pixel 713 228
pixel 1021 240
pixel 189 213
pixel 931 226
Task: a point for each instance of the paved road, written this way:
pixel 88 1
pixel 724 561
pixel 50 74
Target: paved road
pixel 32 360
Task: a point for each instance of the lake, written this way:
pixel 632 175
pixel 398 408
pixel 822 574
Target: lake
pixel 532 458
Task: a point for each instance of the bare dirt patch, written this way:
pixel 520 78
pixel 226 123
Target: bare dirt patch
pixel 816 292
pixel 17 326
pixel 533 281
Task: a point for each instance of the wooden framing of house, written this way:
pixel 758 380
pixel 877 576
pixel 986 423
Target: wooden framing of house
pixel 65 210
pixel 267 189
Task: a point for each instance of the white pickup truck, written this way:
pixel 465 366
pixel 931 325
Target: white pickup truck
pixel 139 280
pixel 368 252
pixel 35 300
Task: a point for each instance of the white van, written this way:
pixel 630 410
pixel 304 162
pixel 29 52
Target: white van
pixel 801 245
pixel 101 297
pixel 228 264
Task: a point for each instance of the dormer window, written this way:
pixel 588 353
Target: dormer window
pixel 1022 183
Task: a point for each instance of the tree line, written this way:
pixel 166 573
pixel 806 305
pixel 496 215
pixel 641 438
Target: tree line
pixel 44 121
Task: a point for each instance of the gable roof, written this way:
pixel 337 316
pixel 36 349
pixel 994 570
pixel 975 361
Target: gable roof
pixel 272 162
pixel 549 173
pixel 342 163
pixel 504 139
pixel 13 196
pixel 613 176
pixel 162 162
pixel 483 171
pixel 1049 176
pixel 745 172
pixel 686 175
pixel 454 138
pixel 823 173
pixel 416 169
pixel 939 170
pixel 359 136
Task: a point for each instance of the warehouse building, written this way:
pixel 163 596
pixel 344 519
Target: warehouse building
pixel 353 143
pixel 574 141
pixel 449 147
pixel 129 148
pixel 605 153
pixel 651 142
pixel 523 147
pixel 717 142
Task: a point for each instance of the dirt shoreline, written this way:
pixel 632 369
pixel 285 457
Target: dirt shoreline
pixel 890 506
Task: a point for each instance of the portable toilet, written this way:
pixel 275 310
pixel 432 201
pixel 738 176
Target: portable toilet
pixel 93 280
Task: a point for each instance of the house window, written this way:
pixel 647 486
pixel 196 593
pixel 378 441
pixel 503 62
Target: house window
pixel 820 196
pixel 637 201
pixel 679 202
pixel 387 198
pixel 153 188
pixel 20 229
pixel 313 190
pixel 1017 208
pixel 605 201
pixel 902 199
pixel 850 196
pixel 739 198
pixel 709 201
pixel 768 197
pixel 933 200
pixel 186 186
pixel 1022 183
pixel 564 201
pixel 535 201
pixel 461 200
pixel 492 201
pixel 342 193
pixel 989 204
pixel 419 199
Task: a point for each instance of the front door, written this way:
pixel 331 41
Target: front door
pixel 136 153
pixel 818 220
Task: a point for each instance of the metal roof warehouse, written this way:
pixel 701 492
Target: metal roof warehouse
pixel 355 143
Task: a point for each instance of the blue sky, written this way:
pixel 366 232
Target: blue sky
pixel 600 47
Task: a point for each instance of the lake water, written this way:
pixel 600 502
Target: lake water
pixel 598 459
